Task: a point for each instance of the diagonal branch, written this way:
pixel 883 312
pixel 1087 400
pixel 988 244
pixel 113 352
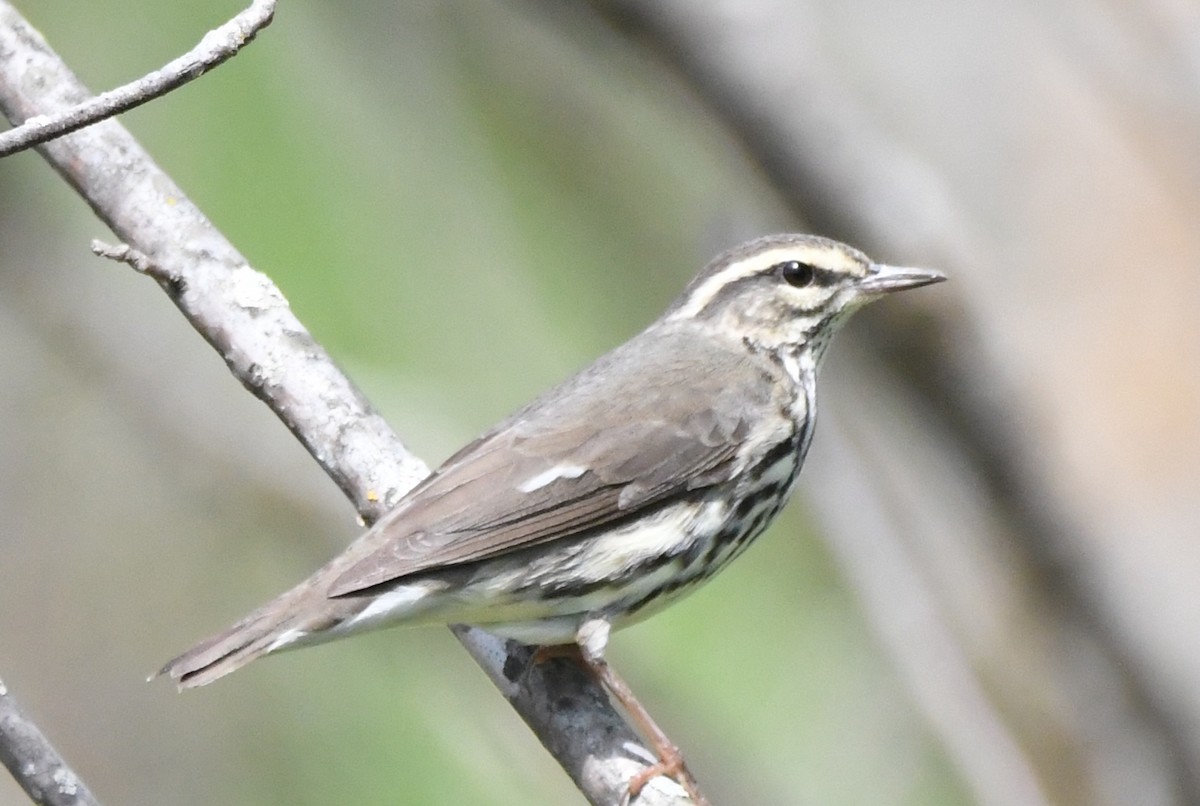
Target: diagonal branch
pixel 243 315
pixel 34 762
pixel 217 46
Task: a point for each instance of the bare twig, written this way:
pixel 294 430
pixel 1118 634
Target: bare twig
pixel 217 46
pixel 248 321
pixel 34 762
pixel 123 253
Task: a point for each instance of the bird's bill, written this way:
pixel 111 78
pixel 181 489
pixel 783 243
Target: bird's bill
pixel 886 279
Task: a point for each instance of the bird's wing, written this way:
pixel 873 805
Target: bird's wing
pixel 581 458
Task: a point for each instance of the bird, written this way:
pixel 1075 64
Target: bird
pixel 612 494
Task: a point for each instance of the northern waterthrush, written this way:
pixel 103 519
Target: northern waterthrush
pixel 610 495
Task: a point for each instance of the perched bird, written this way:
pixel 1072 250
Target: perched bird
pixel 612 494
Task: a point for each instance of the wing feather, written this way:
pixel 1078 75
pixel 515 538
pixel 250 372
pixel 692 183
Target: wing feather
pixel 603 459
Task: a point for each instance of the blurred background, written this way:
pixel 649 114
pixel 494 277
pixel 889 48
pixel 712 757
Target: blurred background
pixel 988 589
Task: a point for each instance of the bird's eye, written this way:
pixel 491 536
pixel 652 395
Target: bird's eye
pixel 795 273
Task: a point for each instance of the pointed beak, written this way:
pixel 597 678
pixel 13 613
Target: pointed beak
pixel 886 279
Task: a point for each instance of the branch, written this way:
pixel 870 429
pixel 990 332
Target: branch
pixel 217 46
pixel 34 762
pixel 247 320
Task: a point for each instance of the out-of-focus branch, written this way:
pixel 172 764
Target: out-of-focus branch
pixel 748 61
pixel 247 320
pixel 33 761
pixel 849 499
pixel 217 46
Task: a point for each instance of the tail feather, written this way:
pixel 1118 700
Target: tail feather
pixel 222 653
pixel 303 615
pixel 272 627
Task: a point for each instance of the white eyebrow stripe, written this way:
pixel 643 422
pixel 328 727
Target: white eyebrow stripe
pixel 817 255
pixel 552 474
pixel 702 296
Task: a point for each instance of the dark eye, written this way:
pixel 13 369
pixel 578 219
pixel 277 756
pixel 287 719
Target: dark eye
pixel 795 273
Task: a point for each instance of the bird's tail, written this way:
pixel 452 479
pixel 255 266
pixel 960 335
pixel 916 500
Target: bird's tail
pixel 283 623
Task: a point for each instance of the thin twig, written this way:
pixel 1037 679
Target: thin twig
pixel 34 763
pixel 248 321
pixel 123 253
pixel 217 46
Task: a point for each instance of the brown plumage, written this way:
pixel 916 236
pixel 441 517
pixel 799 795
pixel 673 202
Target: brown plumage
pixel 471 508
pixel 627 483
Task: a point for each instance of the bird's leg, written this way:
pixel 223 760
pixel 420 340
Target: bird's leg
pixel 591 640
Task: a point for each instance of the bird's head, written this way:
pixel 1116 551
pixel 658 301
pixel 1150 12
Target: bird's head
pixel 787 292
